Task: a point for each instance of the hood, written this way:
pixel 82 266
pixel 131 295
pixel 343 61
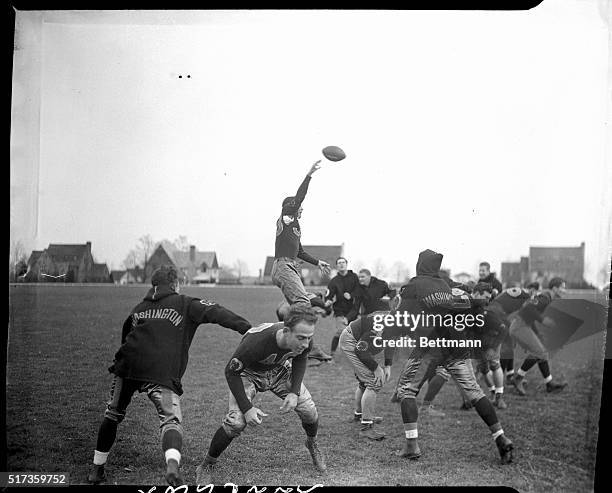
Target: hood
pixel 156 293
pixel 429 263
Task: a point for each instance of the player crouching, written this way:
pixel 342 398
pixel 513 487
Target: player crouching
pixel 270 357
pixel 357 342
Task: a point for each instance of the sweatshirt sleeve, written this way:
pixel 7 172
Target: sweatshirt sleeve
pixel 305 256
pixel 209 312
pixel 127 328
pixel 291 208
pixel 298 370
pixel 241 359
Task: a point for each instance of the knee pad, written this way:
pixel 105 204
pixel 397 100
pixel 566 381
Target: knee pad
pixel 234 423
pixel 307 411
pixel 494 364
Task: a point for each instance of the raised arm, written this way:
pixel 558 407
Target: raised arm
pixel 209 312
pixel 290 208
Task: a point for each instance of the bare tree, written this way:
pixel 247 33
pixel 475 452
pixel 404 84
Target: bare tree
pixel 181 243
pixel 131 260
pixel 17 259
pixel 379 269
pixel 146 245
pixel 399 271
pixel 241 268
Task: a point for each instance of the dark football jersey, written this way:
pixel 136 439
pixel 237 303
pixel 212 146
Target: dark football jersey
pixel 259 352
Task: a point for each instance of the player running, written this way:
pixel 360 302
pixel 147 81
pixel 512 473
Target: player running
pixel 288 248
pixel 153 356
pixel 525 332
pixel 361 341
pixel 270 357
pixel 487 356
pixel 428 294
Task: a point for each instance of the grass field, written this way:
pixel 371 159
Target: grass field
pixel 63 338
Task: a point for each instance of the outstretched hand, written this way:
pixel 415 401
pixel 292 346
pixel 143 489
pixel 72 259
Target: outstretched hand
pixel 315 167
pixel 325 267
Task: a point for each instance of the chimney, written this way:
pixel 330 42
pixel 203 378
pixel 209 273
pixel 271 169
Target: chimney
pixel 192 255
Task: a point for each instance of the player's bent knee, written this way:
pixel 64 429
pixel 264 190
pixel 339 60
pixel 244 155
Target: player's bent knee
pixel 166 427
pixel 307 411
pixel 494 365
pixel 234 423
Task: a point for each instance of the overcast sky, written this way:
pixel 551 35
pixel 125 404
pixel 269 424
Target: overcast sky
pixel 476 134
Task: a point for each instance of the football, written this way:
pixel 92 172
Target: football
pixel 334 153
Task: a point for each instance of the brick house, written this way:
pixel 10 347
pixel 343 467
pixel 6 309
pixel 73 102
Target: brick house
pixel 197 267
pixel 65 263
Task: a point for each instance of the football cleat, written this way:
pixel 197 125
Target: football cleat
pixel 518 385
pixel 173 477
pixel 96 475
pixel 499 402
pixel 368 431
pixel 430 410
pixel 505 448
pixel 555 387
pixel 317 456
pixel 410 450
pixel 204 473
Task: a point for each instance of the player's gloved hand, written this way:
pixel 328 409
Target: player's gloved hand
pixel 253 416
pixel 329 303
pixel 324 266
pixel 347 296
pixel 314 167
pixel 387 372
pixel 379 376
pixel 290 403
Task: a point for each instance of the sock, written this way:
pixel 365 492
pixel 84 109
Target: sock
pixel 510 366
pixel 172 439
pixel 172 454
pixel 544 369
pixel 496 430
pixel 311 428
pixel 433 387
pixel 410 412
pixel 499 390
pixel 106 435
pixel 334 344
pixel 527 365
pixel 548 379
pixel 486 411
pixel 100 458
pixel 410 431
pixel 219 443
pixel 491 388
